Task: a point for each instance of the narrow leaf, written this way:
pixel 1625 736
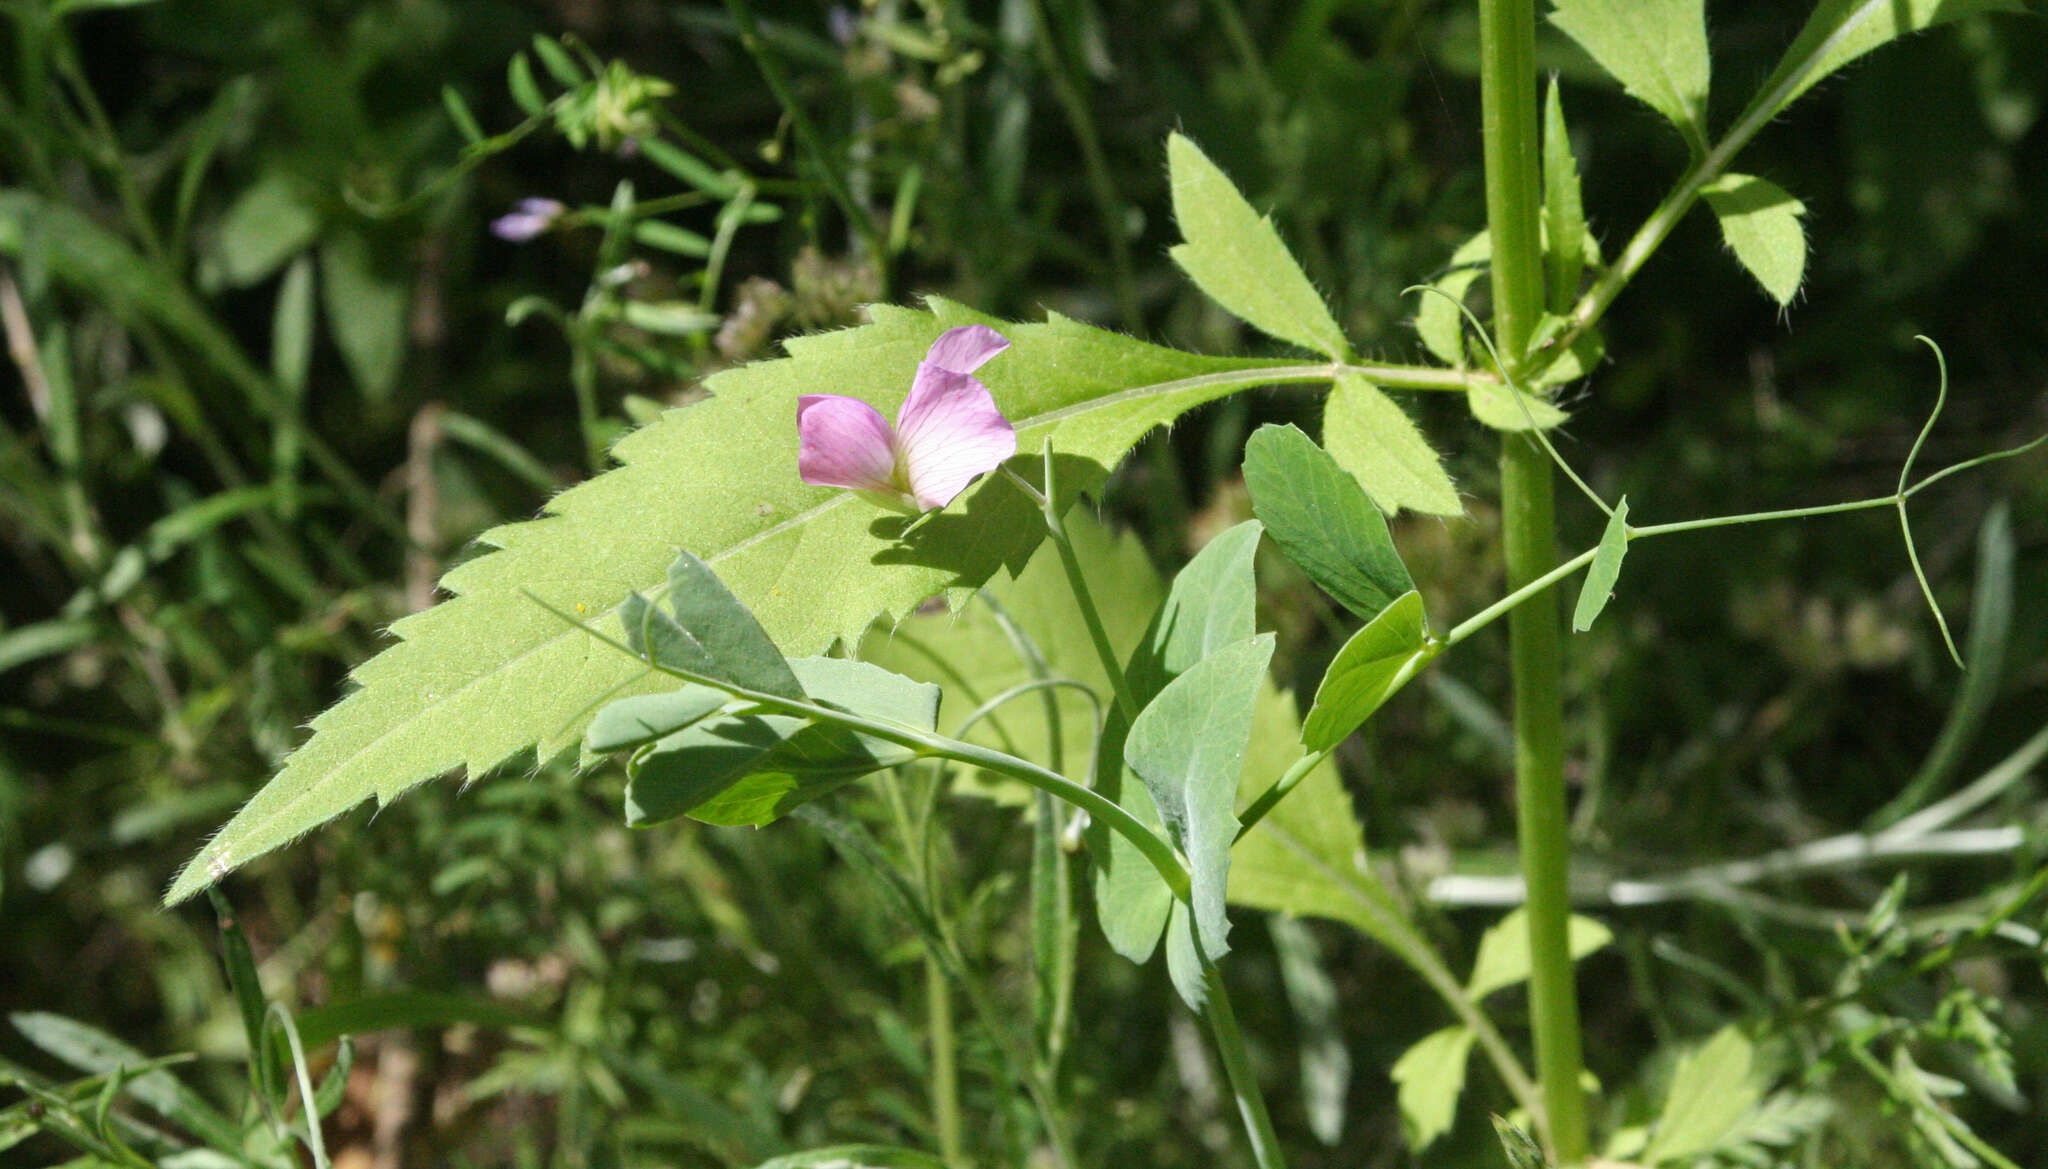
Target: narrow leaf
pixel 1504 951
pixel 94 1052
pixel 1188 745
pixel 460 113
pixel 1711 1091
pixel 480 678
pixel 1564 212
pixel 1431 1077
pixel 1839 31
pixel 1761 224
pixel 1235 255
pixel 1322 520
pixel 1374 439
pixel 525 91
pixel 1657 49
pixel 1604 571
pixel 291 327
pixel 1378 660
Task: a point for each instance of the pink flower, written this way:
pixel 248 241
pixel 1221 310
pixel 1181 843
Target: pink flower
pixel 947 433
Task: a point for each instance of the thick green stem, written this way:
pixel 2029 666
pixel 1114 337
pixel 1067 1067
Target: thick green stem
pixel 1507 38
pixel 1535 640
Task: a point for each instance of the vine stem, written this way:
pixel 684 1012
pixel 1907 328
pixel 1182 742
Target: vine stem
pixel 1222 1020
pixel 1154 847
pixel 1237 1068
pixel 1507 88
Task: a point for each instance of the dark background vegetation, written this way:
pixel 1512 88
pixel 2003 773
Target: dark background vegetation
pixel 699 996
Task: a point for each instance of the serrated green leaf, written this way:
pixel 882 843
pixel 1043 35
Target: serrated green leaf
pixel 1564 212
pixel 1839 31
pixel 633 722
pixel 1378 660
pixel 1711 1092
pixel 1657 49
pixel 1430 1077
pixel 1188 745
pixel 1235 255
pixel 366 309
pixel 1320 517
pixel 480 678
pixel 756 768
pixel 1503 958
pixel 1760 221
pixel 1374 439
pixel 1604 571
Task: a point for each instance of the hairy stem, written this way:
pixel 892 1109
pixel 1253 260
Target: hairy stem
pixel 1507 37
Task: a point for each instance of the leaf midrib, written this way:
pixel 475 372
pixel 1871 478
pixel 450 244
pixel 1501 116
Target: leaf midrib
pixel 1046 418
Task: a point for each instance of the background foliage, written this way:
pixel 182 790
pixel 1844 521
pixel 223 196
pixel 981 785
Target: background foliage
pixel 272 375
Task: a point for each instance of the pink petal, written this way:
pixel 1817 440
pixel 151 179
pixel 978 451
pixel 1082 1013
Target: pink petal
pixel 950 432
pixel 963 350
pixel 844 442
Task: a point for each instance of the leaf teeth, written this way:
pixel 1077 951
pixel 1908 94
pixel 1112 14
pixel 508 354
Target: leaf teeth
pixel 488 674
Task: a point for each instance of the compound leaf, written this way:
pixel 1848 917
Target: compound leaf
pixel 1373 438
pixel 1431 1077
pixel 1235 255
pixel 1378 660
pixel 1657 49
pixel 1839 31
pixel 1760 221
pixel 1323 520
pixel 1504 950
pixel 1710 1092
pixel 489 674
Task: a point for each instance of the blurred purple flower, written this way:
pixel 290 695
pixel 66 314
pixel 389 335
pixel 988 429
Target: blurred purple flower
pixel 947 433
pixel 527 219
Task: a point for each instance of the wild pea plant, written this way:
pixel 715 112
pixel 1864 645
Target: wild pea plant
pixel 704 608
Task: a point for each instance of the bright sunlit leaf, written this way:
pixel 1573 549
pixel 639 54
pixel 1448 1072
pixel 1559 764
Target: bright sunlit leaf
pixel 1760 221
pixel 1236 256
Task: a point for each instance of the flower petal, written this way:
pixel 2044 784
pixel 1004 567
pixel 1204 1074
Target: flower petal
pixel 963 350
pixel 844 442
pixel 951 432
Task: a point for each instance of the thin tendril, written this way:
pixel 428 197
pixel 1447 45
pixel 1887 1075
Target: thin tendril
pixel 1517 392
pixel 1905 525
